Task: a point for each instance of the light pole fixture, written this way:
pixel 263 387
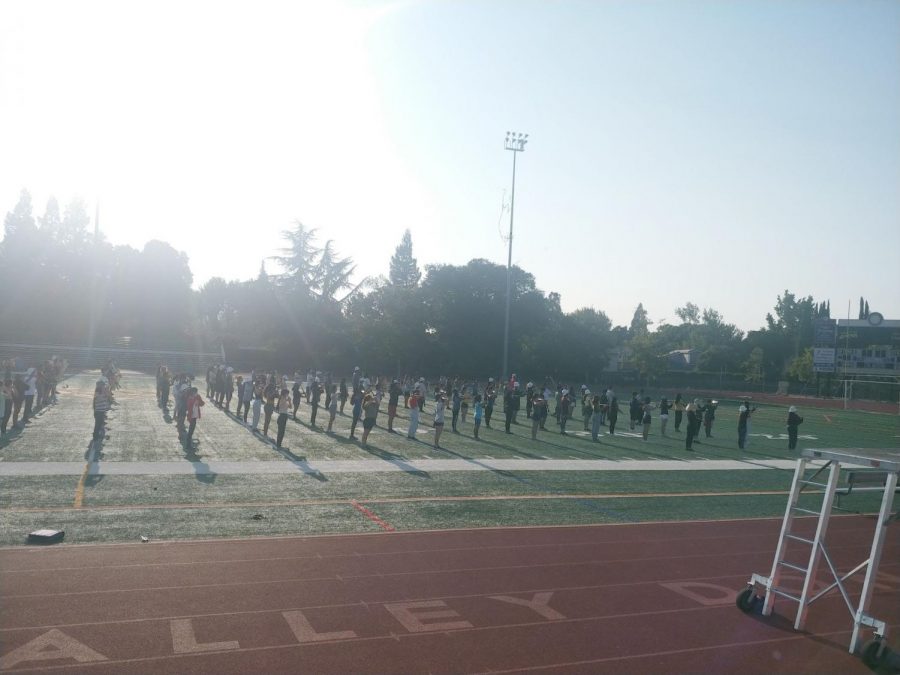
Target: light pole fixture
pixel 515 142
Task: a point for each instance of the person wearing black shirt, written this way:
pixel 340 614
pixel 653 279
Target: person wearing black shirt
pixel 663 415
pixel 744 413
pixel 612 414
pixel 295 390
pixel 793 421
pixel 635 409
pixel 709 415
pixel 693 424
pixel 393 400
pixel 315 394
pixel 490 397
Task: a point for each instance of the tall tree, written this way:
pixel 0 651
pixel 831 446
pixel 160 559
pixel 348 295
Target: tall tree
pixel 300 258
pixel 639 322
pixel 690 313
pixel 404 269
pixel 51 221
pixel 332 274
pixel 21 218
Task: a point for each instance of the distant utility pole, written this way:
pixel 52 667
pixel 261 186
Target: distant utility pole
pixel 516 143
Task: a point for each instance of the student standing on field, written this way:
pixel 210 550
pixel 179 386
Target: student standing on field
pixel 693 424
pixel 393 400
pixel 370 414
pixel 357 402
pixel 612 413
pixel 793 422
pixel 440 405
pixel 194 403
pixel 596 418
pixel 679 407
pixel 332 407
pixel 257 405
pixel 479 413
pixel 101 406
pixel 413 414
pixel 663 415
pixel 284 408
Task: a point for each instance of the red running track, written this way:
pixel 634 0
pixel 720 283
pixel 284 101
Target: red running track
pixel 591 599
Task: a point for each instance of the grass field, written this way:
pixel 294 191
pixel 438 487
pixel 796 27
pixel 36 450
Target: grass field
pixel 236 483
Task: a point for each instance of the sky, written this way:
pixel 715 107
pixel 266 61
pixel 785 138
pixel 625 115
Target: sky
pixel 679 151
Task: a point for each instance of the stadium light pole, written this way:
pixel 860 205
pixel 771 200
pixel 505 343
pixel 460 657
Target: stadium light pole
pixel 515 142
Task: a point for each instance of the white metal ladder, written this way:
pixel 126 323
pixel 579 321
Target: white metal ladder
pixel 817 551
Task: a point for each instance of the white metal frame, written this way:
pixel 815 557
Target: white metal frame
pixel 882 460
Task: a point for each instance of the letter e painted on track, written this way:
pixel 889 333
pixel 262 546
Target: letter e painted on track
pixel 304 632
pixel 52 645
pixel 185 642
pixel 414 621
pixel 539 603
pixel 708 595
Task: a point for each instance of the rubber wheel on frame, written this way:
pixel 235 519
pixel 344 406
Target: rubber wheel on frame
pixel 870 653
pixel 746 599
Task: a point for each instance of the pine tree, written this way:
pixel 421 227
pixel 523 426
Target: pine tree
pixel 866 310
pixel 404 268
pixel 861 310
pixel 20 219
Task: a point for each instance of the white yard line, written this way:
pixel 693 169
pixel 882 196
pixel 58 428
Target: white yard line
pixel 378 465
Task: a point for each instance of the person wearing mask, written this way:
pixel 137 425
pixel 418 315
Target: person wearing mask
pixel 284 407
pixel 538 414
pixel 370 415
pixel 194 403
pixel 793 422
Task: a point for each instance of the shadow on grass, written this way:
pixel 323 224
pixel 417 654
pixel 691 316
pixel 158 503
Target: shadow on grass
pixel 202 471
pixel 397 460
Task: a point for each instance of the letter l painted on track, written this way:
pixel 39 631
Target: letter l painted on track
pixel 185 642
pixel 304 632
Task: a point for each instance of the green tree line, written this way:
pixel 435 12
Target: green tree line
pixel 66 284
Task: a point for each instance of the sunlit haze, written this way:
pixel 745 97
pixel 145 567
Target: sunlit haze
pixel 710 152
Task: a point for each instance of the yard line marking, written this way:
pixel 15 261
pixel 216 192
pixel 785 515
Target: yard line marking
pixel 387 527
pixel 827 418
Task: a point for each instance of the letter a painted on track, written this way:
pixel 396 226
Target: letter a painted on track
pixel 539 603
pixel 52 645
pixel 185 642
pixel 708 595
pixel 413 621
pixel 304 632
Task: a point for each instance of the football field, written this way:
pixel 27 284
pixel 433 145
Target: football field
pixel 235 483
